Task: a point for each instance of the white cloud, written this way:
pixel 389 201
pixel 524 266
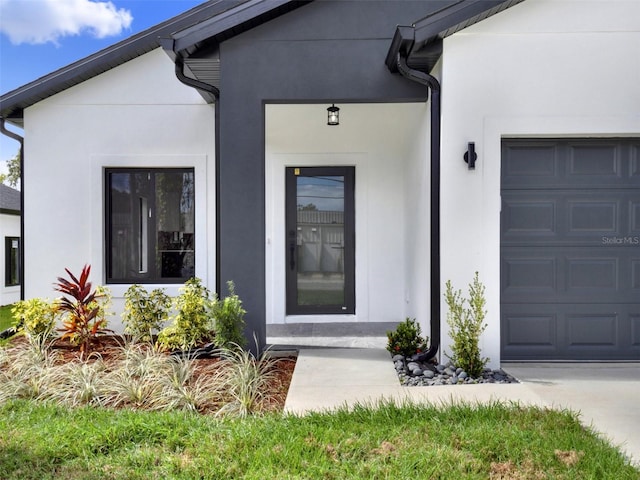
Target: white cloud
pixel 42 21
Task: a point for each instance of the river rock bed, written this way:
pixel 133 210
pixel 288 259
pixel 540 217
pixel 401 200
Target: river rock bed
pixel 419 374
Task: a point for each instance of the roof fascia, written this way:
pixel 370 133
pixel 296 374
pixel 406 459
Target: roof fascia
pixel 456 17
pixel 402 42
pixel 13 102
pixel 425 35
pixel 187 39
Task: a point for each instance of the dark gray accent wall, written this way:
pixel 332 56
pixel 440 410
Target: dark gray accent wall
pixel 327 51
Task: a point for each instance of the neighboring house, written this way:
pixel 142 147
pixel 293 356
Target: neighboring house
pixel 10 238
pixel 200 146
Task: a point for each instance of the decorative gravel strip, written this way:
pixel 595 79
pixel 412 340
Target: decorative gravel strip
pixel 418 374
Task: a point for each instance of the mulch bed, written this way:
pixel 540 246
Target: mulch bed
pixel 107 348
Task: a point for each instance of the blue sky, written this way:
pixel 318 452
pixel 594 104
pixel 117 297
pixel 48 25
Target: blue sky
pixel 40 36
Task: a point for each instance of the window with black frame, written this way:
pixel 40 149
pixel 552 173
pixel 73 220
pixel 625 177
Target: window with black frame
pixel 12 261
pixel 150 225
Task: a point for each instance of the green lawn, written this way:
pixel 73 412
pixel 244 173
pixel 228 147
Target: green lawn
pixel 5 317
pixel 461 442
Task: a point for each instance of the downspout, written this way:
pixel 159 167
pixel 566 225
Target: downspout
pixel 213 90
pixel 192 82
pixel 20 140
pixel 431 83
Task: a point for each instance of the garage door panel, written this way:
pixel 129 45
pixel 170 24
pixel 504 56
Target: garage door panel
pixel 634 221
pixel 601 331
pixel 593 160
pixel 529 216
pixel 635 276
pixel 593 217
pixel 570 332
pixel 591 329
pixel 587 275
pixel 634 170
pixel 530 335
pixel 569 274
pixel 527 276
pixel 569 217
pixel 635 330
pixel 529 164
pixel 570 249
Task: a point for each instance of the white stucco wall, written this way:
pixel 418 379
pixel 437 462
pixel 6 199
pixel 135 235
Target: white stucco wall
pixel 542 68
pixel 417 246
pixel 137 114
pixel 378 140
pixel 9 227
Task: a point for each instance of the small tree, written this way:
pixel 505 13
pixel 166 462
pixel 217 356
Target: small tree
pixel 466 325
pixel 12 178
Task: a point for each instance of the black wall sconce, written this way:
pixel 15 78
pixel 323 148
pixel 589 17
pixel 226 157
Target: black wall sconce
pixel 471 156
pixel 333 115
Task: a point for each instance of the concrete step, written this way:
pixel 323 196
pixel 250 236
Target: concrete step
pixel 338 334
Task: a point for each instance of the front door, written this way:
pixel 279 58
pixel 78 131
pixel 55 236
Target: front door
pixel 320 240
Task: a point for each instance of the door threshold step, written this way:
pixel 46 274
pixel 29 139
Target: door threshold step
pixel 334 329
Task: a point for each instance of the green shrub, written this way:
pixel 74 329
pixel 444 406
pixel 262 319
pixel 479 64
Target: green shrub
pixel 35 317
pixel 406 339
pixel 144 312
pixel 192 325
pixel 229 320
pixel 466 325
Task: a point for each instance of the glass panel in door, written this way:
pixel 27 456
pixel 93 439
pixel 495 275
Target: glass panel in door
pixel 320 240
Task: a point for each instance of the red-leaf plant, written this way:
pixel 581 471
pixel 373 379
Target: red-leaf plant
pixel 83 320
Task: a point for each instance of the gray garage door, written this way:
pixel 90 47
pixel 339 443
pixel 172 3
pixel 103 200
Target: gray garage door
pixel 570 249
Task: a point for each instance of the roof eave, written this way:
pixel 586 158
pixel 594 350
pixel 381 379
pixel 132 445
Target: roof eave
pixel 13 103
pixel 429 32
pixel 191 38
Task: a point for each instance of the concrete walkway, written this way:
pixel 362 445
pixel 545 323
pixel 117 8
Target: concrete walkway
pixel 607 396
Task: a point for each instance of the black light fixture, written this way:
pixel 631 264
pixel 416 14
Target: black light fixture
pixel 333 115
pixel 471 156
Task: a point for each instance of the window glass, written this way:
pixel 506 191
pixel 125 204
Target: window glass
pixel 150 225
pixel 12 261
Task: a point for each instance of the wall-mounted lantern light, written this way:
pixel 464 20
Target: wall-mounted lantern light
pixel 471 156
pixel 333 115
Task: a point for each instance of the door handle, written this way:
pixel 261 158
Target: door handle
pixel 292 255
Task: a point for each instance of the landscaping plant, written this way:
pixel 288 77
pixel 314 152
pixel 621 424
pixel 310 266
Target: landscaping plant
pixel 140 377
pixel 406 339
pixel 193 324
pixel 36 319
pixel 466 322
pixel 229 320
pixel 84 311
pixel 245 380
pixel 6 317
pixel 144 312
pixel 26 371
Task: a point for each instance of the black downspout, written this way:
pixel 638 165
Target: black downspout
pixel 192 82
pixel 19 139
pixel 211 89
pixel 431 83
